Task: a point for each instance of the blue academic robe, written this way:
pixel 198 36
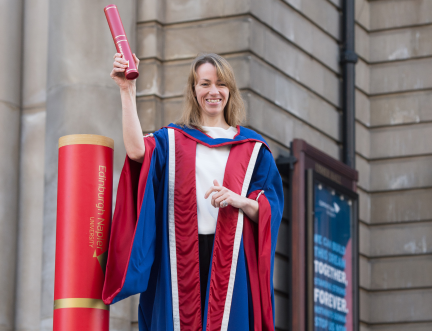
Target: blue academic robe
pixel 153 247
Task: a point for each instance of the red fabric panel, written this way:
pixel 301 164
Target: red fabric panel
pixel 150 145
pixel 257 245
pixel 250 243
pixel 130 194
pixel 235 171
pixel 186 233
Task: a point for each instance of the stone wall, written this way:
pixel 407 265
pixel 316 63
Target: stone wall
pixel 285 54
pixel 393 91
pixel 286 63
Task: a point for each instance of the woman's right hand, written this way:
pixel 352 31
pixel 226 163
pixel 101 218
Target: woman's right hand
pixel 119 67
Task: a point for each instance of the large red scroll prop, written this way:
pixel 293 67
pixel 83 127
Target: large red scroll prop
pixel 120 40
pixel 84 201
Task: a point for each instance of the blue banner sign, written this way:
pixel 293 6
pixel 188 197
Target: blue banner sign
pixel 332 263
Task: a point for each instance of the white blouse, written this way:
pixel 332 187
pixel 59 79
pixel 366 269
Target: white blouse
pixel 210 165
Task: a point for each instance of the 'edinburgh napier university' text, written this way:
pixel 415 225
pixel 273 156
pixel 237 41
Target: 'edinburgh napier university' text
pixel 101 190
pixel 96 231
pixel 96 234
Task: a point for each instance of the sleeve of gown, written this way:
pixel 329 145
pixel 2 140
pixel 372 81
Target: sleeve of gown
pixel 260 238
pixel 131 249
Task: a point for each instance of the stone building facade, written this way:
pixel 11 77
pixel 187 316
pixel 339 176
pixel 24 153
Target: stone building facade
pixel 57 56
pixel 394 155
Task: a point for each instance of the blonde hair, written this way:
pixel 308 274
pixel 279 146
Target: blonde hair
pixel 234 112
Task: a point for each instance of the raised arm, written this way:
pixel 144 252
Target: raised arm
pixel 132 132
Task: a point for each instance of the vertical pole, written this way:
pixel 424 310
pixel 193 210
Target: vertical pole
pixel 32 149
pixel 348 61
pixel 10 112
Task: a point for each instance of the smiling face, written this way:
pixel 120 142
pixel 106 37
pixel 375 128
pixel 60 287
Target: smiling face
pixel 212 94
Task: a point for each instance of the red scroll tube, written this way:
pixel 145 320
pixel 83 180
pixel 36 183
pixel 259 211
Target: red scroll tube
pixel 120 40
pixel 84 200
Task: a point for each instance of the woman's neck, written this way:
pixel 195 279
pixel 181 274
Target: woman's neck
pixel 215 122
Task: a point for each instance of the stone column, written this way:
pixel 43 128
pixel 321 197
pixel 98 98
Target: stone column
pixel 29 263
pixel 10 81
pixel 81 98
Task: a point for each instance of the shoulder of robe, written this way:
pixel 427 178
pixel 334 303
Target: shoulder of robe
pixel 251 134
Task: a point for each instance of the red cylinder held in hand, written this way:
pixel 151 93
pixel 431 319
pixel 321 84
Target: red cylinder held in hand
pixel 120 40
pixel 84 200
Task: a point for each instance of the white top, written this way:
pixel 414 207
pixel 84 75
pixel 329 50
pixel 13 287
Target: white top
pixel 210 165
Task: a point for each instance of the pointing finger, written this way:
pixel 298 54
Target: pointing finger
pixel 210 190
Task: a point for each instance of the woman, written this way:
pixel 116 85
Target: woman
pixel 198 210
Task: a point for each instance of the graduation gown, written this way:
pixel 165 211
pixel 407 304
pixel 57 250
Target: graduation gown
pixel 153 247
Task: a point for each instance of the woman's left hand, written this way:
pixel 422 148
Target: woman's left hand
pixel 224 197
pixel 223 194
